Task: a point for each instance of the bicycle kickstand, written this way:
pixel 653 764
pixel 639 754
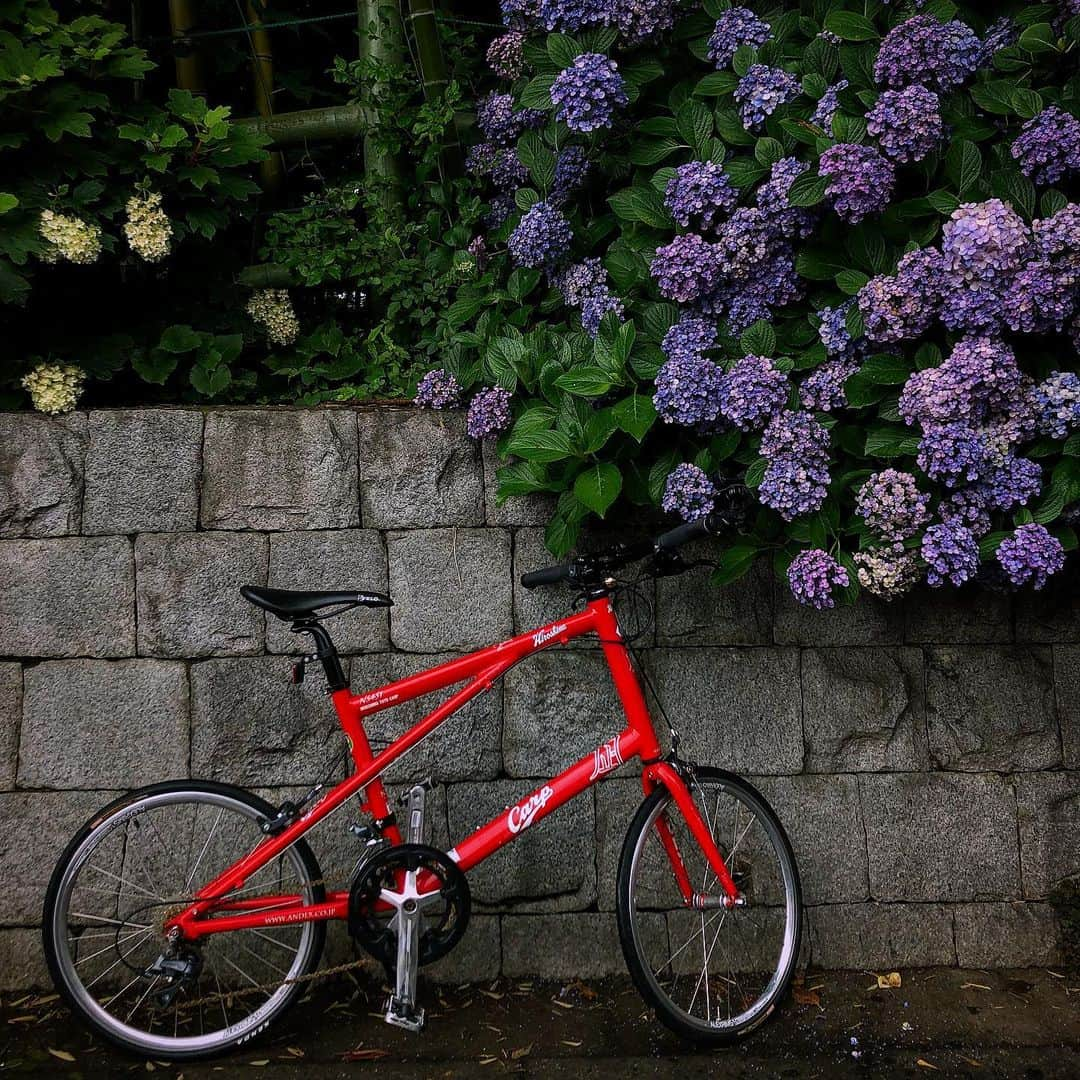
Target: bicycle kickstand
pixel 402 1010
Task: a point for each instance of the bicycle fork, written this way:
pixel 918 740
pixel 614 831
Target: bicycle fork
pixel 402 1010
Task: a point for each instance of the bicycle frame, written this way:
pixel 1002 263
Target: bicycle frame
pixel 211 913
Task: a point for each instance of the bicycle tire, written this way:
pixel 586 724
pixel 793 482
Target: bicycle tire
pixel 632 935
pixel 62 968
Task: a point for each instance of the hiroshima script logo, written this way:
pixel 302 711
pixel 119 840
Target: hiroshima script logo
pixel 521 816
pixel 547 634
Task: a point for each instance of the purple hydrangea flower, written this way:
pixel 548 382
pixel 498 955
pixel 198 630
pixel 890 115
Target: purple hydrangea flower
pixel 736 27
pixel 588 93
pixel 597 304
pixel 570 14
pixel 507 172
pixel 762 90
pixel 542 237
pixel 505 56
pixel 1015 482
pixel 925 51
pixel 903 306
pixel 752 392
pixel 860 180
pixel 478 250
pixel 1058 402
pixel 639 20
pixel 438 389
pixel 580 279
pixel 571 171
pixel 688 492
pixel 834 334
pixel 951 554
pixel 813 576
pixel 687 268
pixel 746 241
pixel 1000 34
pixel 519 14
pixel 480 158
pixel 1048 146
pixel 1030 554
pixel 823 388
pixel 1039 299
pixel 796 478
pixel 501 207
pixel 906 123
pixel 828 105
pixel 495 118
pixel 983 243
pixel 952 453
pixel 700 194
pixel 967 507
pixel 688 392
pixel 489 412
pixel 772 199
pixel 689 339
pixel 892 506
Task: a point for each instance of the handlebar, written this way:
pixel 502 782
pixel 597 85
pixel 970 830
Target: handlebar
pixel 588 570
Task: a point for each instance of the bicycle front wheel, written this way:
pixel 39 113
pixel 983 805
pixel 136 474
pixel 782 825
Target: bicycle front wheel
pixel 125 873
pixel 710 975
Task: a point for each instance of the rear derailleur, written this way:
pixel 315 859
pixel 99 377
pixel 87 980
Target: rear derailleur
pixel 408 906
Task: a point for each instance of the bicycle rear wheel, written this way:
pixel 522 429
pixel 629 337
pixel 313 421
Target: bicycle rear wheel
pixel 130 868
pixel 710 975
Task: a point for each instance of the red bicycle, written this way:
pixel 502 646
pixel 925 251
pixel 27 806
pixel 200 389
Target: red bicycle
pixel 184 917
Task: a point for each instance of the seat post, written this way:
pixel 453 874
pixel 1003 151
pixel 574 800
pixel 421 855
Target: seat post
pixel 325 650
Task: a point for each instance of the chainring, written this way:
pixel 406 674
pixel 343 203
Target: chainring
pixel 443 928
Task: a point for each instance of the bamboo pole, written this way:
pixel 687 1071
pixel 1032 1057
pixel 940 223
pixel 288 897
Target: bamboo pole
pixel 311 125
pixel 433 76
pixel 189 69
pixel 272 169
pixel 381 40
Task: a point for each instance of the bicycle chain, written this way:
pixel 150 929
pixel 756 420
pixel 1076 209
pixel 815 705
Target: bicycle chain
pixel 178 905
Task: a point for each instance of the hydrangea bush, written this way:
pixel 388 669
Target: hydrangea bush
pixel 830 249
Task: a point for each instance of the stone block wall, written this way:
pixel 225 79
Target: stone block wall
pixel 924 756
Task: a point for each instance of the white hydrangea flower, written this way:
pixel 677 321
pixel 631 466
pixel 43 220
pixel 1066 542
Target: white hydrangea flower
pixel 273 310
pixel 887 572
pixel 69 238
pixel 148 229
pixel 54 388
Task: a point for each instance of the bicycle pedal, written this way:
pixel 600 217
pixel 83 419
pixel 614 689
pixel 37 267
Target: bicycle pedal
pixel 427 784
pixel 401 1015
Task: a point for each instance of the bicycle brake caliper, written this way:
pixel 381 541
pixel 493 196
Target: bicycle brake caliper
pixel 402 1009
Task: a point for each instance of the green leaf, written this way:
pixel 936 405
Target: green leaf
pixel 641 203
pixel 213 382
pixel 635 415
pixel 585 382
pixel 887 442
pixel 650 151
pixel 755 472
pixel 7 202
pixel 659 472
pixel 963 164
pixel 521 282
pixel 562 49
pixel 598 486
pixel 154 365
pixel 744 172
pixel 718 84
pixel 540 446
pixel 994 96
pixel 807 190
pixel 537 93
pixel 1039 38
pixel 850 26
pixel 1026 103
pixel 694 122
pixel 851 281
pixel 537 158
pixel 179 339
pixel 735 562
pixel 886 368
pixel 768 151
pixel 760 338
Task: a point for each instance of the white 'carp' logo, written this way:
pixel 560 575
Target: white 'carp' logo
pixel 520 817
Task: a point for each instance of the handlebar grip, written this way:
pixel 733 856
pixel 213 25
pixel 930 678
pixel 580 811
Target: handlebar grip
pixel 549 575
pixel 692 530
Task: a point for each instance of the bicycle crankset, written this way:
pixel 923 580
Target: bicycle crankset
pixel 390 875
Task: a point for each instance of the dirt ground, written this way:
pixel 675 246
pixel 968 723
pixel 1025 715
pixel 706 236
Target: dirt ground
pixel 1020 1025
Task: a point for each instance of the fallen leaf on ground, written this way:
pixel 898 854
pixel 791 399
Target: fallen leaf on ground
pixel 295 1051
pixel 571 1042
pixel 561 1004
pixel 260 1063
pixel 373 1053
pixel 488 1060
pixel 924 1064
pixel 806 997
pixel 22 1019
pixel 889 982
pixel 973 986
pixel 520 1052
pixel 63 1055
pixel 971 1061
